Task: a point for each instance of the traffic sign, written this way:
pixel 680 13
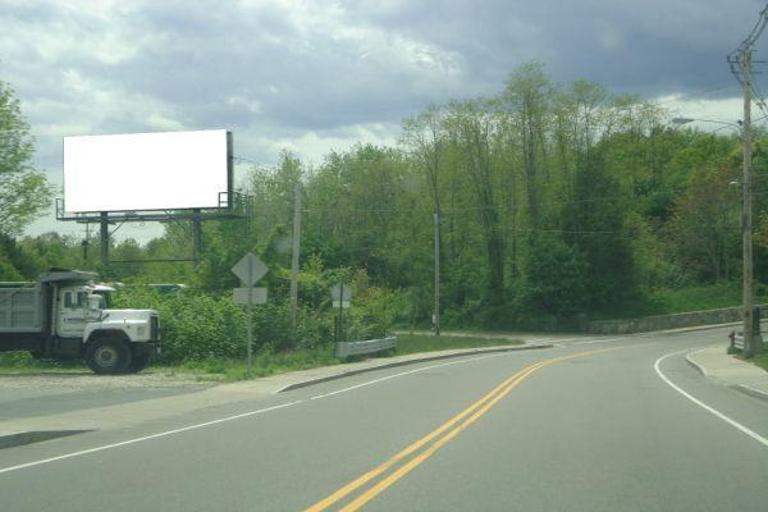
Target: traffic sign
pixel 258 296
pixel 340 288
pixel 250 269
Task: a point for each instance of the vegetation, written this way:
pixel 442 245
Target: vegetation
pixel 760 360
pixel 556 203
pixel 413 343
pixel 265 361
pixel 24 192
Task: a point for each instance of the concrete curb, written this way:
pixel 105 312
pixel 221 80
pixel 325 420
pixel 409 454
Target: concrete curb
pixel 695 365
pixel 749 390
pixel 34 436
pixel 394 364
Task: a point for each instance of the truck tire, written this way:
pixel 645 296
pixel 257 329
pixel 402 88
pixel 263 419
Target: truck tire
pixel 108 356
pixel 138 363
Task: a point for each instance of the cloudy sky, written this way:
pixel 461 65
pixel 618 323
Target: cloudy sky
pixel 314 76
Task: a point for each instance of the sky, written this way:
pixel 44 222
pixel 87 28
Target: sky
pixel 311 77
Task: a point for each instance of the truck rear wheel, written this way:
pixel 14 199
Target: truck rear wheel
pixel 108 356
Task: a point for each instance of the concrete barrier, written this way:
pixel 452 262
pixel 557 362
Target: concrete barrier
pixel 664 322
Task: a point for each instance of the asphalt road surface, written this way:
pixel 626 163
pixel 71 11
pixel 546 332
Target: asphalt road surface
pixel 616 424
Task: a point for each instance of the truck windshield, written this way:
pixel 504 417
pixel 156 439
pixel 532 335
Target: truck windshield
pixel 102 298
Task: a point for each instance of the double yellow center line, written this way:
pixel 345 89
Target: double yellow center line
pixel 411 457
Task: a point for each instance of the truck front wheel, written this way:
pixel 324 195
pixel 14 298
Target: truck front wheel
pixel 108 356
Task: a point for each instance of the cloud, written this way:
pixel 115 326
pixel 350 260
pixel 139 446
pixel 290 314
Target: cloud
pixel 314 76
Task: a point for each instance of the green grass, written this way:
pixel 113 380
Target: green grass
pixel 681 300
pixel 23 362
pixel 228 370
pixel 760 360
pixel 696 298
pixel 264 364
pixel 412 343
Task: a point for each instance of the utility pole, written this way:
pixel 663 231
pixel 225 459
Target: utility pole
pixel 437 274
pixel 746 211
pixel 197 237
pixel 295 255
pixel 85 243
pixel 740 61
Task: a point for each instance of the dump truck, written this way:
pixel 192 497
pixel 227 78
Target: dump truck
pixel 63 315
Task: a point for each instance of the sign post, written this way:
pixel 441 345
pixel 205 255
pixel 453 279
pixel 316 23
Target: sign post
pixel 341 296
pixel 250 269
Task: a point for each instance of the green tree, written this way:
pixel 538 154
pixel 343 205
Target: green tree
pixel 24 191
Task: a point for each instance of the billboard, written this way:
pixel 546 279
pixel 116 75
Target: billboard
pixel 146 171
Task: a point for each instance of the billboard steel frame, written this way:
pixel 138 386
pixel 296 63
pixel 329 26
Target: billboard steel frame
pixel 239 207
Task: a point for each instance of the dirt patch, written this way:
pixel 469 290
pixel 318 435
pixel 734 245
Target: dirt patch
pixel 72 381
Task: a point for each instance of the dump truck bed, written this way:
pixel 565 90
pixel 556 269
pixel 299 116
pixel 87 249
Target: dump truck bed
pixel 21 308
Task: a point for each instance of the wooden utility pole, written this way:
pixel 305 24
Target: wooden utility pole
pixel 746 210
pixel 295 255
pixel 436 319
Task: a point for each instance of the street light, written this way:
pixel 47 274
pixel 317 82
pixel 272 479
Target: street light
pixel 748 285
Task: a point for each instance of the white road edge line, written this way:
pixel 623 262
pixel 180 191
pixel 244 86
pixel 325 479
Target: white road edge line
pixel 409 372
pixel 146 438
pixel 745 430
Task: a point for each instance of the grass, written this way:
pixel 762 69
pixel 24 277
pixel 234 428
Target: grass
pixel 696 298
pixel 760 360
pixel 413 343
pixel 23 362
pixel 681 300
pixel 264 364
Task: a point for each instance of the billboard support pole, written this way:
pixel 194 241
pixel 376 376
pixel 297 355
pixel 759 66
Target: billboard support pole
pixel 197 235
pixel 104 239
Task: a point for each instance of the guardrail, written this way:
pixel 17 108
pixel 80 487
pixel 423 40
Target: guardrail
pixel 354 348
pixel 737 340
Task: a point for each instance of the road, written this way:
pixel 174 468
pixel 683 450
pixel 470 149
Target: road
pixel 600 425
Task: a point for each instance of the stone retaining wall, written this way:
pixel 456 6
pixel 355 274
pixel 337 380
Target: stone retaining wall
pixel 663 322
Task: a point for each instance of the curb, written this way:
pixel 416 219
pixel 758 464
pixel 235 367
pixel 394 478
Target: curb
pixel 34 436
pixel 749 390
pixel 695 365
pixel 349 373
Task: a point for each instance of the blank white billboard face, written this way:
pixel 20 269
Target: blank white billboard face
pixel 145 171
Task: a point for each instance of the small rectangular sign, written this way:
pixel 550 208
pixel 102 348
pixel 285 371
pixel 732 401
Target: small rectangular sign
pixel 258 295
pixel 338 289
pixel 344 304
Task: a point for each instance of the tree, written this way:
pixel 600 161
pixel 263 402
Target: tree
pixel 24 191
pixel 705 222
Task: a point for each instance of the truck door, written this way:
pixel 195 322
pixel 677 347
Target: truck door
pixel 73 313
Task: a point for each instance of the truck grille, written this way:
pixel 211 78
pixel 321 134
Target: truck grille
pixel 154 328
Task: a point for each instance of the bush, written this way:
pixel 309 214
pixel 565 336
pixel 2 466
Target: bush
pixel 198 326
